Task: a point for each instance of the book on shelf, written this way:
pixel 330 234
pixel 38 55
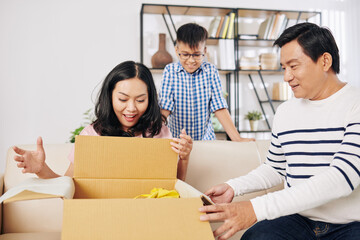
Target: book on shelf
pixel 281 91
pixel 272 26
pixel 269 61
pixel 222 54
pixel 230 54
pixel 214 24
pixel 219 27
pixel 282 27
pixel 225 27
pixel 278 23
pixel 248 36
pixel 263 28
pixel 269 27
pixel 230 32
pixel 249 63
pixel 226 54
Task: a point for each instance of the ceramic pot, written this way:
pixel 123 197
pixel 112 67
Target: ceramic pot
pixel 254 125
pixel 161 57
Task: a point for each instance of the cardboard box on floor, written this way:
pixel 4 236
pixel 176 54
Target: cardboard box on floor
pixel 109 172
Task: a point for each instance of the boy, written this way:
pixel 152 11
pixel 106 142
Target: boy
pixel 191 89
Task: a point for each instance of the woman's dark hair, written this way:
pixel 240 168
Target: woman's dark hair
pixel 107 123
pixel 191 34
pixel 314 40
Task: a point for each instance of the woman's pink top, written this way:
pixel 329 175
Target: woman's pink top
pixel 90 131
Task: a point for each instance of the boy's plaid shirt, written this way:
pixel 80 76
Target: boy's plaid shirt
pixel 191 98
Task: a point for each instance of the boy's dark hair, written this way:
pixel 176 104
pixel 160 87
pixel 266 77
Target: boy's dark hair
pixel 314 41
pixel 191 34
pixel 107 123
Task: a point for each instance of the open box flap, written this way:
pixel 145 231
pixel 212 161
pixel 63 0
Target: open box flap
pixel 135 219
pixel 36 188
pixel 102 157
pixel 29 195
pixel 187 191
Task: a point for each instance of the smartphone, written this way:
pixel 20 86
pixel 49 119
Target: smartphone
pixel 206 200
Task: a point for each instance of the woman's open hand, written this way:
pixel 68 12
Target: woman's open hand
pixel 31 161
pixel 182 145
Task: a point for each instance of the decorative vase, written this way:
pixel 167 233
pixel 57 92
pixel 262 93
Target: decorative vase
pixel 161 57
pixel 254 125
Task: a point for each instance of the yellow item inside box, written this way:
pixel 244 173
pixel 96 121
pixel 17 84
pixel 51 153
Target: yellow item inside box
pixel 160 193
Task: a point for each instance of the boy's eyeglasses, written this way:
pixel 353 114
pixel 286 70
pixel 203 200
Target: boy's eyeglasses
pixel 186 56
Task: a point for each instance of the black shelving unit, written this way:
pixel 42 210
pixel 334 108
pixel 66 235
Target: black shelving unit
pixel 168 11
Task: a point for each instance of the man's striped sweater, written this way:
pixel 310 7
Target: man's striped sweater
pixel 315 150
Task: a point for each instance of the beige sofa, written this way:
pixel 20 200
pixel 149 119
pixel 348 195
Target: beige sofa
pixel 211 162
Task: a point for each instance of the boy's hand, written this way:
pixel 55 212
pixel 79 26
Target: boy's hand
pixel 182 145
pixel 246 140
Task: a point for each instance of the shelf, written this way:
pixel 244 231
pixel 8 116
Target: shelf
pixel 258 131
pixel 242 42
pixel 185 10
pixel 256 42
pixel 274 101
pixel 246 131
pixel 215 41
pixel 263 72
pixel 264 13
pixel 221 71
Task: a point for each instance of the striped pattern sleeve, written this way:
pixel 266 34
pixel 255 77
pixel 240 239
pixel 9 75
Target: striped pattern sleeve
pixel 347 159
pixel 217 100
pixel 261 178
pixel 276 157
pixel 166 90
pixel 337 181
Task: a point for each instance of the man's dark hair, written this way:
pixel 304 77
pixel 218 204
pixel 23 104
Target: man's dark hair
pixel 314 40
pixel 107 123
pixel 191 34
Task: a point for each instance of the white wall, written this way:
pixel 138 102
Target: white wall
pixel 54 53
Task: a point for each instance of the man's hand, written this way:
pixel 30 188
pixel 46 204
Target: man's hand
pixel 236 216
pixel 221 193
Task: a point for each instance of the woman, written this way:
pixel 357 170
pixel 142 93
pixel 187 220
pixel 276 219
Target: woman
pixel 126 106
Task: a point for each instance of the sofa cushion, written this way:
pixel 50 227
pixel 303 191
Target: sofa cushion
pixel 214 162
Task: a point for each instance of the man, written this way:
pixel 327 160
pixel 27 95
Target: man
pixel 315 150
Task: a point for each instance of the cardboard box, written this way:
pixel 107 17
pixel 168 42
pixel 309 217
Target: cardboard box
pixel 108 173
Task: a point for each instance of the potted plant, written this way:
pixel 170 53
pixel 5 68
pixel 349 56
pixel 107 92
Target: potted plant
pixel 253 117
pixel 89 118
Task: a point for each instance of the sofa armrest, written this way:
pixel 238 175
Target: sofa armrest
pixel 2 191
pixel 1 184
